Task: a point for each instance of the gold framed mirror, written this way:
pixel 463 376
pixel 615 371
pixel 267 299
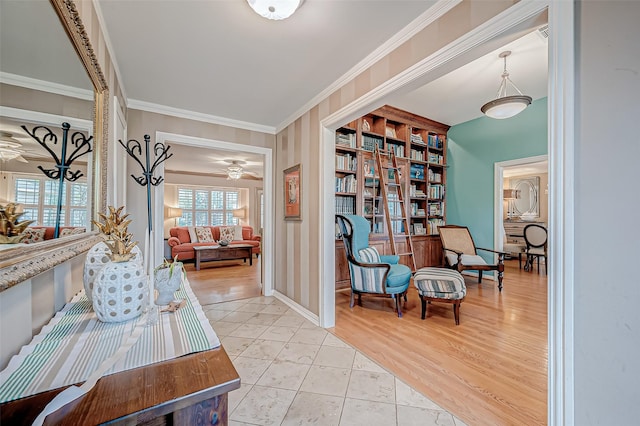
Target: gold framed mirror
pixel 22 262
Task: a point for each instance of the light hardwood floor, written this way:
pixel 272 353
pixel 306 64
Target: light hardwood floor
pixel 489 370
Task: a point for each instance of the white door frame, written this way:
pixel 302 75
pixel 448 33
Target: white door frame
pixel 267 251
pixel 561 103
pixel 498 176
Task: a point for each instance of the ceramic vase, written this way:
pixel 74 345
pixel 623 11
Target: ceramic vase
pixel 167 282
pixel 120 291
pixel 97 257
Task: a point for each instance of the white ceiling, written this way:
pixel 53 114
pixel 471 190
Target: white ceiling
pixel 219 58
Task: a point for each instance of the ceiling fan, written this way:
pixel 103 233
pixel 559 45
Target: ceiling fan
pixel 10 148
pixel 235 170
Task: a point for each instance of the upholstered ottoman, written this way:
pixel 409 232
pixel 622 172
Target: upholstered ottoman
pixel 440 285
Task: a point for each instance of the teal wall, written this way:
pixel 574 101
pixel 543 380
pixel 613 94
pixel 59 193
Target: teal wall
pixel 473 149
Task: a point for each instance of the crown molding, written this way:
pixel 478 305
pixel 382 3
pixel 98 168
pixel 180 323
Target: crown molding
pixel 198 116
pixel 46 86
pixel 426 18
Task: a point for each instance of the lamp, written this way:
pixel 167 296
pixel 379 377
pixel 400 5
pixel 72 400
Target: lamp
pixel 506 106
pixel 275 9
pixel 239 213
pixel 234 171
pixel 510 195
pixel 174 213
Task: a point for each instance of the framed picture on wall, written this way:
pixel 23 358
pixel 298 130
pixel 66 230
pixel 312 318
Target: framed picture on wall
pixel 292 193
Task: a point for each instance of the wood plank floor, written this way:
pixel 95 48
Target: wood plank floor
pixel 222 281
pixel 489 370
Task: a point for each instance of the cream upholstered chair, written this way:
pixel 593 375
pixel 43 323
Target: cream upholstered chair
pixel 371 272
pixel 460 253
pixel 512 247
pixel 536 238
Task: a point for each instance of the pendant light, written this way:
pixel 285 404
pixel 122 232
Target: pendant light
pixel 275 9
pixel 506 106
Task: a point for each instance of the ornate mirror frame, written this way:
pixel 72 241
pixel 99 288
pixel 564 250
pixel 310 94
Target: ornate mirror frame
pixel 20 264
pixel 528 202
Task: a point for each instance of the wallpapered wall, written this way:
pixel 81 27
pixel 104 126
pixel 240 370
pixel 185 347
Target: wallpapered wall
pixel 474 147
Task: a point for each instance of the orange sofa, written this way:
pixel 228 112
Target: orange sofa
pixel 181 245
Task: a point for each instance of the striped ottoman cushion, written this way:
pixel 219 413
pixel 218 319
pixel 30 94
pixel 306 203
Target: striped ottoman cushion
pixel 439 282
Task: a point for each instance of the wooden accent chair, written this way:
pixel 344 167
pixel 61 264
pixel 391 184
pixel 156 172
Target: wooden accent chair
pixel 461 253
pixel 369 271
pixel 536 238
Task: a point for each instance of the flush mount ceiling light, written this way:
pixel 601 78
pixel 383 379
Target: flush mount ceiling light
pixel 235 170
pixel 506 106
pixel 275 9
pixel 10 148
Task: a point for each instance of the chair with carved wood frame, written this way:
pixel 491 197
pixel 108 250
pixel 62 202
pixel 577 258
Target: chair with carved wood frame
pixel 460 253
pixel 369 271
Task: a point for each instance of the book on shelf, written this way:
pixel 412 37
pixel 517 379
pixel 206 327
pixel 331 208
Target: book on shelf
pixel 346 184
pixel 417 171
pixel 346 139
pixel 369 142
pixel 398 150
pixel 435 158
pixel 433 225
pixel 435 141
pixel 417 155
pixel 346 162
pixel 417 138
pixel 436 191
pixel 345 205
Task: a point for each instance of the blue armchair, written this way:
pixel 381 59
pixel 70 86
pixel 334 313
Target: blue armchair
pixel 371 272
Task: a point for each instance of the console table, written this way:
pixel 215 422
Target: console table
pixel 178 391
pixel 176 372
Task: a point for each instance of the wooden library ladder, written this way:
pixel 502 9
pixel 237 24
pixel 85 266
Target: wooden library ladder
pixel 393 190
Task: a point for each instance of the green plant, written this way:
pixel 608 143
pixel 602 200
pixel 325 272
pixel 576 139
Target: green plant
pixel 171 265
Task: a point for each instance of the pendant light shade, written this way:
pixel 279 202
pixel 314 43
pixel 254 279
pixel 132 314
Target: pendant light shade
pixel 275 9
pixel 505 106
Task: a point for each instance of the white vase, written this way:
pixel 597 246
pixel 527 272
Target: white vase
pixel 167 282
pixel 97 257
pixel 120 291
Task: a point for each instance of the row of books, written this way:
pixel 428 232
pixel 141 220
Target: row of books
pixel 414 191
pixel 416 210
pixel 398 150
pixel 436 158
pixel 346 184
pixel 417 155
pixel 435 177
pixel 416 138
pixel 346 139
pixel 345 205
pixel 436 191
pixel 436 209
pixel 369 142
pixel 346 162
pixel 436 141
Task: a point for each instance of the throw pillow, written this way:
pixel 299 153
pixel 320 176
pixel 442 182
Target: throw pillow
pixel 226 233
pixel 71 231
pixel 204 235
pixel 33 235
pixel 192 234
pixel 369 255
pixel 237 233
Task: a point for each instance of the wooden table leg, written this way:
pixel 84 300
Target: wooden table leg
pixel 197 260
pixel 250 258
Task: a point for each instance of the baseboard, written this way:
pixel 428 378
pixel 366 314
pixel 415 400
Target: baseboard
pixel 296 307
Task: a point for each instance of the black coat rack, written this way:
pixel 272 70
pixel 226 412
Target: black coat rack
pixel 61 171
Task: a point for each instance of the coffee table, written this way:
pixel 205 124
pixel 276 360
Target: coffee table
pixel 218 252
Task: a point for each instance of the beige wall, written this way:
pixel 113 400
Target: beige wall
pixel 141 123
pixel 297 271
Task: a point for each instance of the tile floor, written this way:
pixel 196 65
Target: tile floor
pixel 295 373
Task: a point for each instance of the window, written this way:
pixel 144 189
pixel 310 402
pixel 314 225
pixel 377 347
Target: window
pixel 207 206
pixel 39 198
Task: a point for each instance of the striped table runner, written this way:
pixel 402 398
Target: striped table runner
pixel 75 343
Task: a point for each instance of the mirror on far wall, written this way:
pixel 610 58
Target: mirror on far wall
pixel 49 75
pixel 527 205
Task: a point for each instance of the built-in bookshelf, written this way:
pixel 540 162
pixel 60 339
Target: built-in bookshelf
pixel 420 146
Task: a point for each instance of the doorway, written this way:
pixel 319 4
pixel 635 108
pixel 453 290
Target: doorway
pixel 266 254
pixel 560 151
